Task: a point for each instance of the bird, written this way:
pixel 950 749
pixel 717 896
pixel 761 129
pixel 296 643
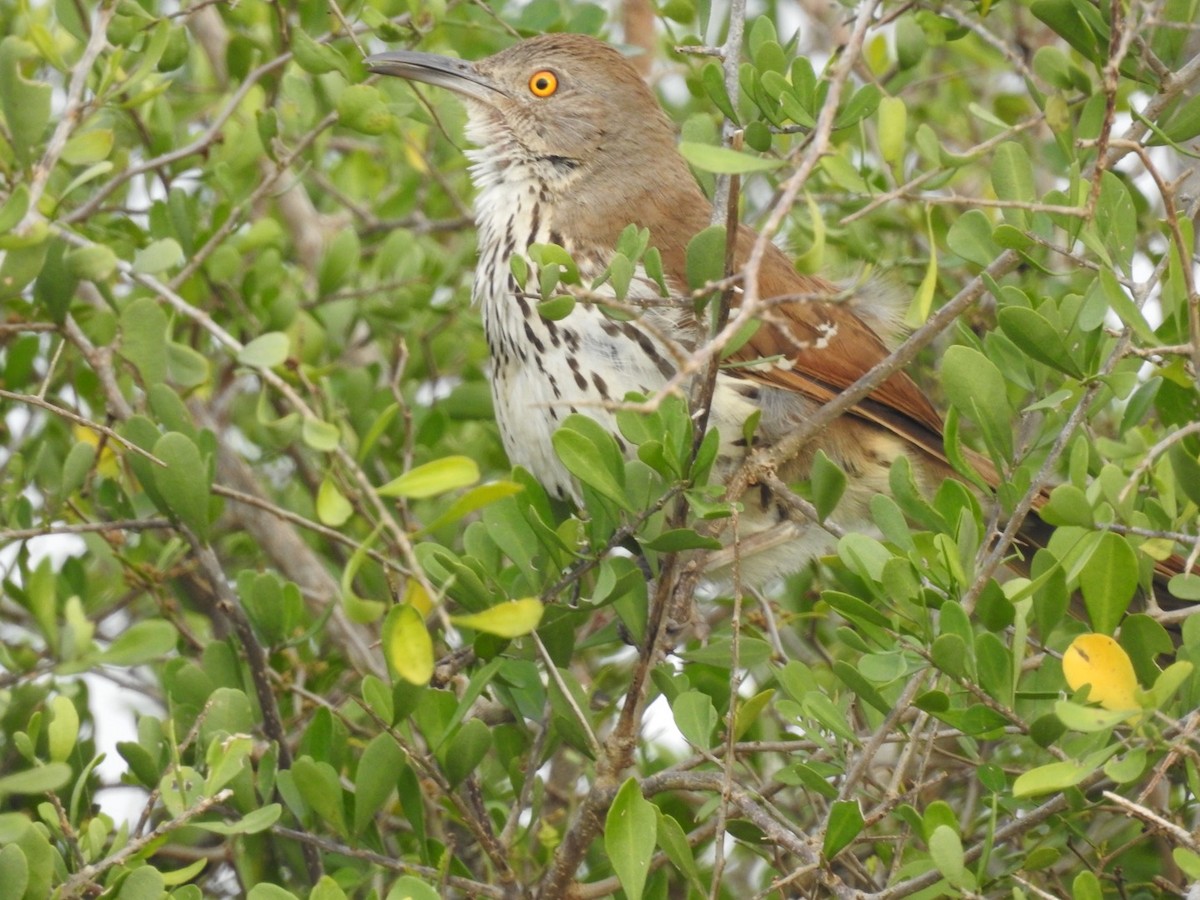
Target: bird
pixel 571 146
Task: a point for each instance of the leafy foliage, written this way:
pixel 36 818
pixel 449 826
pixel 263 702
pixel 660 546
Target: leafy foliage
pixel 243 390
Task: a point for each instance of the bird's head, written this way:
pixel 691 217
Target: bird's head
pixel 568 102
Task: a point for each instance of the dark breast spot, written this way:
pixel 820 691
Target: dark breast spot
pixel 647 346
pixel 534 339
pixel 579 379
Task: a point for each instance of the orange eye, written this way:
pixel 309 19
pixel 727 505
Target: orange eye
pixel 543 83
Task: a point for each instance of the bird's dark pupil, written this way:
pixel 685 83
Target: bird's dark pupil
pixel 542 84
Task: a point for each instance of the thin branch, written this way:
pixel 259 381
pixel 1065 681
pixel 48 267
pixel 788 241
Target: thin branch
pixel 24 534
pixel 390 863
pixel 87 879
pixel 1178 835
pixel 69 117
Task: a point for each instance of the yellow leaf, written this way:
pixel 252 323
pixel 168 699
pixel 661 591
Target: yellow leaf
pixel 333 508
pixel 1101 663
pixel 107 464
pixel 417 597
pixel 414 158
pixel 433 478
pixel 507 620
pixel 407 644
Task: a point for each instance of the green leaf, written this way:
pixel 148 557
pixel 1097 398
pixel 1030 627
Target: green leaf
pixel 88 147
pixel 680 539
pixel 183 482
pixel 946 850
pixel 375 778
pixel 362 108
pixel 845 824
pixel 1068 505
pixel 674 843
pixel 557 308
pixel 724 161
pixel 1188 861
pixel 862 104
pixel 1187 470
pixel 25 104
pixel 333 508
pixel 320 435
pixel 409 887
pixel 378 697
pixel 158 256
pixel 1012 179
pixel 971 238
pixel 546 256
pixel 949 653
pixel 14 870
pixel 695 717
pixel 14 208
pixel 1144 639
pixel 314 58
pixel 1108 582
pixel 37 780
pixel 95 262
pixel 511 619
pixel 1033 333
pixel 1184 124
pixel 1058 776
pixel 326 888
pixel 267 891
pixel 1088 719
pixel 266 351
pixel 339 261
pixel 1087 886
pixel 1185 586
pixel 407 645
pixel 320 786
pixel 144 338
pixel 63 728
pixel 472 500
pixel 432 478
pixel 749 711
pixel 22 264
pixel 817 705
pixel 629 833
pixel 893 124
pixel 1172 679
pixel 706 257
pixel 712 77
pixel 856 609
pixel 143 883
pixel 466 750
pixel 252 823
pixel 1124 307
pixel 226 759
pixel 977 389
pixel 1011 238
pixel 228 713
pixel 1128 768
pixel 591 455
pixel 1065 19
pixel 187 367
pixel 828 484
pixel 1050 778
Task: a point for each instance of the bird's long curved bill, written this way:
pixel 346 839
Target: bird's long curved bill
pixel 457 75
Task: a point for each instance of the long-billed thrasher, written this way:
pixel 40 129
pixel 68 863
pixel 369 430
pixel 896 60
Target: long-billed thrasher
pixel 572 148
